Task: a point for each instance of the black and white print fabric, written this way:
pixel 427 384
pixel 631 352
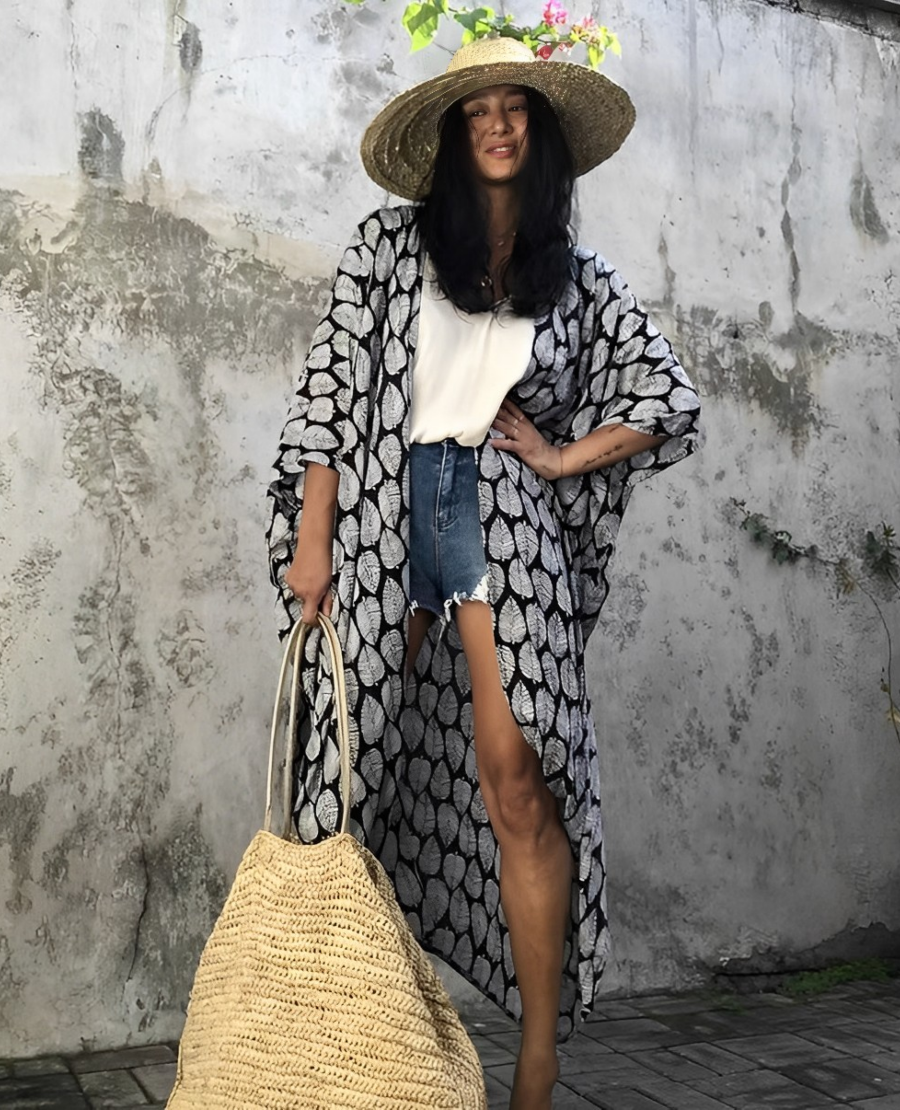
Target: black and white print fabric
pixel 597 360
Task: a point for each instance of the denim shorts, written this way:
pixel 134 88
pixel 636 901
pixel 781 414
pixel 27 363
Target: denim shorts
pixel 446 546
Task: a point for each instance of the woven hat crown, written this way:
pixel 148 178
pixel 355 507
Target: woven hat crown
pixel 483 52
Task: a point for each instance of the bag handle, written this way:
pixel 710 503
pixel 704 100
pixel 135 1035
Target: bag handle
pixel 293 657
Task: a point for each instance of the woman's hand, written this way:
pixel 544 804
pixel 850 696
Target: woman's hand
pixel 521 437
pixel 309 578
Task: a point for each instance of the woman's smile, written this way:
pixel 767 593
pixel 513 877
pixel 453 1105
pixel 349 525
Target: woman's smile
pixel 498 125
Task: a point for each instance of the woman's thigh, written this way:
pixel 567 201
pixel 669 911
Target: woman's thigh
pixel 503 755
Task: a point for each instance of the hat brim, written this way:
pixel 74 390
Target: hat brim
pixel 399 146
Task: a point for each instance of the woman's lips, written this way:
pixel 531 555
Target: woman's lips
pixel 506 150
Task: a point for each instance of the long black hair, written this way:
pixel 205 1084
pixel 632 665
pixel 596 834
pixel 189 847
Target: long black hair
pixel 453 218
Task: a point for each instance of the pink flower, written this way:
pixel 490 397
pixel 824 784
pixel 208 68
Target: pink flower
pixel 555 13
pixel 544 51
pixel 583 29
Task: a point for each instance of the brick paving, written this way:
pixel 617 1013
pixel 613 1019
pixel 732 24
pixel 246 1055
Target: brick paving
pixel 686 1053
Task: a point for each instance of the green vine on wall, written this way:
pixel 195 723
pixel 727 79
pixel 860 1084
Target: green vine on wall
pixel 556 31
pixel 874 572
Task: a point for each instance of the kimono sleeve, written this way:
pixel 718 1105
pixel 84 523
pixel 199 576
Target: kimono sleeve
pixel 320 423
pixel 325 416
pixel 630 376
pixel 638 381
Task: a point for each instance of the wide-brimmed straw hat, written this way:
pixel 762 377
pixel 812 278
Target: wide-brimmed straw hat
pixel 400 144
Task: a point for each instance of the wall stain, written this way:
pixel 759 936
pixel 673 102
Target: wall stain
pixel 689 750
pixel 126 277
pixel 11 987
pixel 774 757
pixel 142 274
pixel 669 273
pixel 738 713
pixel 102 149
pixel 665 904
pixel 55 872
pixel 787 228
pixel 746 360
pixel 765 651
pixel 182 891
pixel 863 210
pixel 106 645
pixel 182 647
pixel 29 576
pixel 671 546
pixel 21 817
pixel 362 80
pixel 854 942
pixel 622 623
pixel 190 48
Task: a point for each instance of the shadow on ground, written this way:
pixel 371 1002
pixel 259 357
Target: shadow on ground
pixel 682 1053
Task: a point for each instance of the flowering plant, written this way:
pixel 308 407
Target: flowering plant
pixel 555 31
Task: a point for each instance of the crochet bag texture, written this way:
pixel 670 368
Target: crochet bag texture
pixel 312 993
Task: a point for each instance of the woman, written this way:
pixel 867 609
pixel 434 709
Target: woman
pixel 475 404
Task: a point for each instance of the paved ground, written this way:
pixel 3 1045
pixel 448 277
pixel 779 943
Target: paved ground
pixel 687 1053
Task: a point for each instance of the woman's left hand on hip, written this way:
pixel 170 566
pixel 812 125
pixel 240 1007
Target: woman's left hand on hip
pixel 521 437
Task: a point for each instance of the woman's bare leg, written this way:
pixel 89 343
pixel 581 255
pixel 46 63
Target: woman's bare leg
pixel 535 858
pixel 419 623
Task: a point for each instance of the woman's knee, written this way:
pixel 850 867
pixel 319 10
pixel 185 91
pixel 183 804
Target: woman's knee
pixel 518 802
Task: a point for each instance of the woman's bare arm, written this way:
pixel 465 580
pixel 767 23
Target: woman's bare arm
pixel 309 575
pixel 603 447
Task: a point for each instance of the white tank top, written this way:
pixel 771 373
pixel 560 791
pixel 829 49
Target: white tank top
pixel 465 365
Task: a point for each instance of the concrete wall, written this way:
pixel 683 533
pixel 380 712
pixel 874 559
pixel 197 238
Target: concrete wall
pixel 176 180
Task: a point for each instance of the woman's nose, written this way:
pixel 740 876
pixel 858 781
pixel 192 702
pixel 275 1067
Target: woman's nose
pixel 501 123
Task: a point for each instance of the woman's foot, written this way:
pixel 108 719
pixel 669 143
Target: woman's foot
pixel 534 1080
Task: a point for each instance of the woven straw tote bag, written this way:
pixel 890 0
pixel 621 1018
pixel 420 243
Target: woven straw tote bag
pixel 312 993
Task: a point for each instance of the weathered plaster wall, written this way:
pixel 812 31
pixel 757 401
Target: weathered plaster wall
pixel 175 184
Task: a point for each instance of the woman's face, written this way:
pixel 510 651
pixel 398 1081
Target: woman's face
pixel 497 117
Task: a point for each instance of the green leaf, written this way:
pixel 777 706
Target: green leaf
pixel 879 553
pixel 595 56
pixel 756 525
pixel 478 22
pixel 421 21
pixel 470 18
pixel 845 580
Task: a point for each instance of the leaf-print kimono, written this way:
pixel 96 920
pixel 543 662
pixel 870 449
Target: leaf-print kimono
pixel 596 360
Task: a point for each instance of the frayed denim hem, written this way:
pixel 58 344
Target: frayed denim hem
pixel 480 593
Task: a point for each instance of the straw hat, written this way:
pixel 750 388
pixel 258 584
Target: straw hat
pixel 400 144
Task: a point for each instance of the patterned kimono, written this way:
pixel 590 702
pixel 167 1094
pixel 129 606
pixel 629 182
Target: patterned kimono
pixel 597 360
